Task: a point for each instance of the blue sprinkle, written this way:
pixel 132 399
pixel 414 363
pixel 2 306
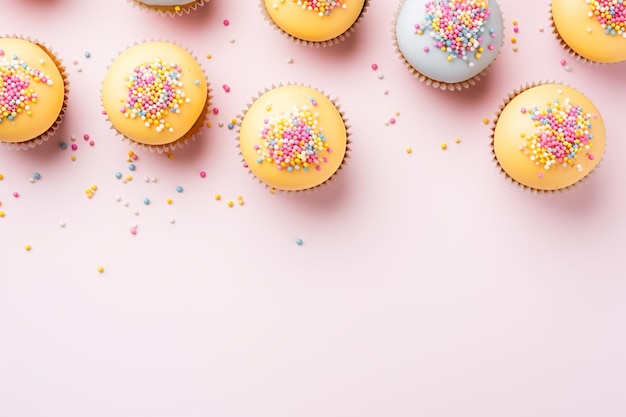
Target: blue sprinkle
pixel 87 54
pixel 118 175
pixel 299 242
pixel 37 176
pixel 179 189
pixel 63 145
pixel 146 201
pixel 131 167
pixel 231 126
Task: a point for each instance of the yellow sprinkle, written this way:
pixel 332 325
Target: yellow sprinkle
pixel 233 120
pixel 218 197
pixel 241 202
pixel 170 155
pixel 27 247
pixel 486 121
pixel 73 157
pixel 457 140
pixel 239 197
pixel 209 56
pixel 444 146
pixel 131 153
pixel 514 23
pixel 101 269
pixel 94 187
pixel 397 113
pixel 1 213
pixel 230 203
pixel 169 201
pixel 1 177
pixel 208 124
pixel 409 150
pixel 177 8
pixel 513 40
pixel 273 190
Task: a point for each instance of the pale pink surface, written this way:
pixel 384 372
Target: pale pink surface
pixel 427 285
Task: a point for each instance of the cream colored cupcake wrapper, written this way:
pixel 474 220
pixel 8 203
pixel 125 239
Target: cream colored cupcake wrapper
pixel 345 123
pixel 29 144
pixel 322 44
pixel 192 133
pixel 514 182
pixel 461 85
pixel 170 11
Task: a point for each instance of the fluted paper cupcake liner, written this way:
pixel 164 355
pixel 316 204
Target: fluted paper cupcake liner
pixel 335 175
pixel 30 144
pixel 316 44
pixel 170 11
pixel 510 96
pixel 442 85
pixel 194 131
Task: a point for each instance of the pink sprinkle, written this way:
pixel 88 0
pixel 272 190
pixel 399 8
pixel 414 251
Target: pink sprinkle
pixel 16 194
pixel 226 88
pixel 86 136
pixel 245 165
pixel 216 110
pixel 426 49
pixel 202 174
pixel 74 146
pixel 515 29
pixel 563 62
pixel 392 121
pixel 491 47
pixel 540 175
pixel 226 22
pixel 91 143
pixel 133 230
pixel 523 109
pixel 374 67
pixel 591 157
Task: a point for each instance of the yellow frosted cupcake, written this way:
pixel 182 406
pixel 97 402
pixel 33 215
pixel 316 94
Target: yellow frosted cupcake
pixel 592 30
pixel 548 137
pixel 293 138
pixel 170 7
pixel 156 95
pixel 315 22
pixel 33 92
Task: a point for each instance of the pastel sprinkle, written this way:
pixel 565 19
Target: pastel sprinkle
pixel 409 150
pixel 226 22
pixel 444 146
pixel 154 92
pixel 87 54
pixel 101 269
pixel 293 141
pixel 226 88
pixel 37 176
pixel 456 26
pixel 230 204
pixel 562 133
pixel 179 189
pixel 218 197
pixel 320 7
pixel 299 242
pixel 146 201
pixel 27 247
pixel 118 175
pixel 202 174
pixel 374 67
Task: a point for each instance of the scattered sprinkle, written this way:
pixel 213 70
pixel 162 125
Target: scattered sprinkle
pixel 179 189
pixel 299 242
pixel 409 150
pixel 230 203
pixel 27 247
pixel 146 201
pixel 100 269
pixel 218 197
pixel 444 146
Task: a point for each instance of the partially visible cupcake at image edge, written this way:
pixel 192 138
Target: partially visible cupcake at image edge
pixel 448 44
pixel 293 138
pixel 315 22
pixel 156 95
pixel 169 7
pixel 548 137
pixel 34 92
pixel 593 31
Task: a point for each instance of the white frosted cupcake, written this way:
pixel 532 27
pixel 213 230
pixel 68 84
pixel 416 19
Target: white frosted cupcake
pixel 448 44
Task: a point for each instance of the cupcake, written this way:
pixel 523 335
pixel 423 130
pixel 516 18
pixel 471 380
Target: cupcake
pixel 33 92
pixel 293 138
pixel 156 95
pixel 315 22
pixel 591 30
pixel 448 44
pixel 169 7
pixel 548 137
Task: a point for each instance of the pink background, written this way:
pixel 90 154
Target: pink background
pixel 426 285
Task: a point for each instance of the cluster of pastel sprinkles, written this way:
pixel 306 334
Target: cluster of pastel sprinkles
pixel 293 141
pixel 456 26
pixel 611 14
pixel 321 7
pixel 16 94
pixel 154 91
pixel 562 134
